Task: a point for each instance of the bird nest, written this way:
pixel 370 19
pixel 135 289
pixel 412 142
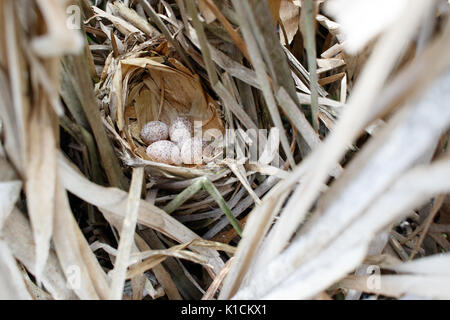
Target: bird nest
pixel 149 83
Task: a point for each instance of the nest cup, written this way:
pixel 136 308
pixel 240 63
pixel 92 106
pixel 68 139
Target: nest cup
pixel 151 84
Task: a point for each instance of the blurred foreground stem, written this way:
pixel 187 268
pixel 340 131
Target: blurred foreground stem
pixel 307 24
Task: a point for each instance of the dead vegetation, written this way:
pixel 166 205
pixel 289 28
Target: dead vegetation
pixel 353 204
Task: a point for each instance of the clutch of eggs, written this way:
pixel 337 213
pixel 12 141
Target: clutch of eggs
pixel 182 147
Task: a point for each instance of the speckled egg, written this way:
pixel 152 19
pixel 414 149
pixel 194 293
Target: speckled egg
pixel 180 130
pixel 164 151
pixel 154 131
pixel 192 150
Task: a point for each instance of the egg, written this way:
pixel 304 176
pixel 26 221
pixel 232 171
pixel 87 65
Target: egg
pixel 180 130
pixel 154 131
pixel 164 151
pixel 192 151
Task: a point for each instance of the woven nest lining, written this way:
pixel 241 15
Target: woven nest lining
pixel 146 85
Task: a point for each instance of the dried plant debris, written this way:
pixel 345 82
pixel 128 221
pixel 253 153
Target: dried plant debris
pixel 205 149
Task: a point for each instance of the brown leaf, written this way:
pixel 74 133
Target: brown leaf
pixel 289 17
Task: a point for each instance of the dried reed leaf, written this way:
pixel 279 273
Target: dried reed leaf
pixel 59 39
pixel 160 272
pixel 20 102
pixel 268 170
pixel 77 260
pixel 357 25
pixel 19 236
pixel 169 37
pixel 10 125
pixel 234 35
pixel 41 180
pixel 71 99
pixel 272 50
pixel 239 172
pixel 274 7
pixel 157 256
pixel 11 280
pixel 209 294
pixel 136 20
pixel 126 235
pixel 298 119
pixel 309 11
pixel 432 265
pixel 424 286
pixel 206 11
pixel 123 26
pixel 154 257
pixel 229 65
pixel 9 193
pixel 35 292
pixel 289 17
